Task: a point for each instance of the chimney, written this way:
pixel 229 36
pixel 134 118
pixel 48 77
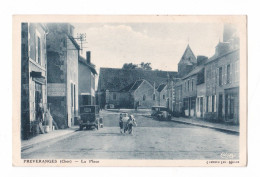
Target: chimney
pixel 201 59
pixel 88 57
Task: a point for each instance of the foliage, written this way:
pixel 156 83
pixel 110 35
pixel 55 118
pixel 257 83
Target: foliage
pixel 129 66
pixel 142 65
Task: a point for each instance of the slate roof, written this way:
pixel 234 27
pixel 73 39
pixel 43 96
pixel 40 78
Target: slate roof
pixel 188 57
pixel 89 65
pixel 136 85
pixel 117 79
pixel 214 57
pixel 161 87
pixel 196 70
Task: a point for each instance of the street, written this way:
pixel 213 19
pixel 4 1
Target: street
pixel 151 139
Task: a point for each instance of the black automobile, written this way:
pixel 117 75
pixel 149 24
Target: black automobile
pixel 89 117
pixel 160 113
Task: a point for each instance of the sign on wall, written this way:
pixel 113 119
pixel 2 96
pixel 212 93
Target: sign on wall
pixel 56 89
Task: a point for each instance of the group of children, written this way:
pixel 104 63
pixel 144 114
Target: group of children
pixel 126 123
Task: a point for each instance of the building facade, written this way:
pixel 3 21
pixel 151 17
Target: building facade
pixel 33 77
pixel 87 74
pixel 222 87
pixel 62 71
pixel 118 88
pixel 210 90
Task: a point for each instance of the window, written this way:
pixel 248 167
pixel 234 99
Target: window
pixel 193 103
pixel 197 104
pixel 220 76
pixel 186 104
pixel 114 96
pixel 191 85
pixel 213 103
pixel 188 85
pixel 144 97
pixel 153 96
pixel 71 91
pixel 163 96
pixel 228 73
pixel 207 104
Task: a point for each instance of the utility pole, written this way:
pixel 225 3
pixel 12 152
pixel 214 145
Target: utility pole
pixel 81 37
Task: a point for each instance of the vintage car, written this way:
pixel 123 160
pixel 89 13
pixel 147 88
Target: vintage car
pixel 89 117
pixel 160 113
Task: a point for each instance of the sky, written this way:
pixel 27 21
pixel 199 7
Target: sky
pixel 161 44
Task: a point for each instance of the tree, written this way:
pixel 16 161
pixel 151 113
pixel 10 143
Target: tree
pixel 142 65
pixel 129 66
pixel 146 66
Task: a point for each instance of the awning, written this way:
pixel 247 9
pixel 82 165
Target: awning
pixel 37 77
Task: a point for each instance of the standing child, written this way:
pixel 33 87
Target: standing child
pixel 121 123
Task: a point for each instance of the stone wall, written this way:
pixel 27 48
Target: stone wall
pixel 145 90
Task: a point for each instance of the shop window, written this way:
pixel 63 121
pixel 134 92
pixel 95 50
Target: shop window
pixel 186 104
pixel 193 103
pixel 207 104
pixel 71 91
pixel 201 104
pixel 213 103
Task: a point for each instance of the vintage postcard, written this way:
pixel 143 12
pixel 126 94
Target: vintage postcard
pixel 129 90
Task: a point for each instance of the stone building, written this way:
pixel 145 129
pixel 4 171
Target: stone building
pixel 115 87
pixel 162 95
pixel 141 94
pixel 222 87
pixel 210 90
pixel 187 62
pixel 86 84
pixel 33 77
pixel 62 72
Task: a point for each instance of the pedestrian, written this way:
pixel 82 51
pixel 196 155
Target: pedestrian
pixel 130 123
pixel 40 111
pixel 121 123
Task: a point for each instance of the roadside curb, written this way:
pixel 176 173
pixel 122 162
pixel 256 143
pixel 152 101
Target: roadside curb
pixel 51 140
pixel 207 126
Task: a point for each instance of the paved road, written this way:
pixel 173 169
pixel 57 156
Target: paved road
pixel 151 140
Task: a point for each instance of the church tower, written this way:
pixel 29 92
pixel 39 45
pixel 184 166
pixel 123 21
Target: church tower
pixel 187 63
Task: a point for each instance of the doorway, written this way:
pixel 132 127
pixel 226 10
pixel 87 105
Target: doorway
pixel 38 102
pixel 220 106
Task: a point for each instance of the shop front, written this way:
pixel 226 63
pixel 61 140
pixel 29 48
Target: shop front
pixel 232 105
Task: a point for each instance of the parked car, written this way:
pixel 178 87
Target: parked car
pixel 160 113
pixel 89 117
